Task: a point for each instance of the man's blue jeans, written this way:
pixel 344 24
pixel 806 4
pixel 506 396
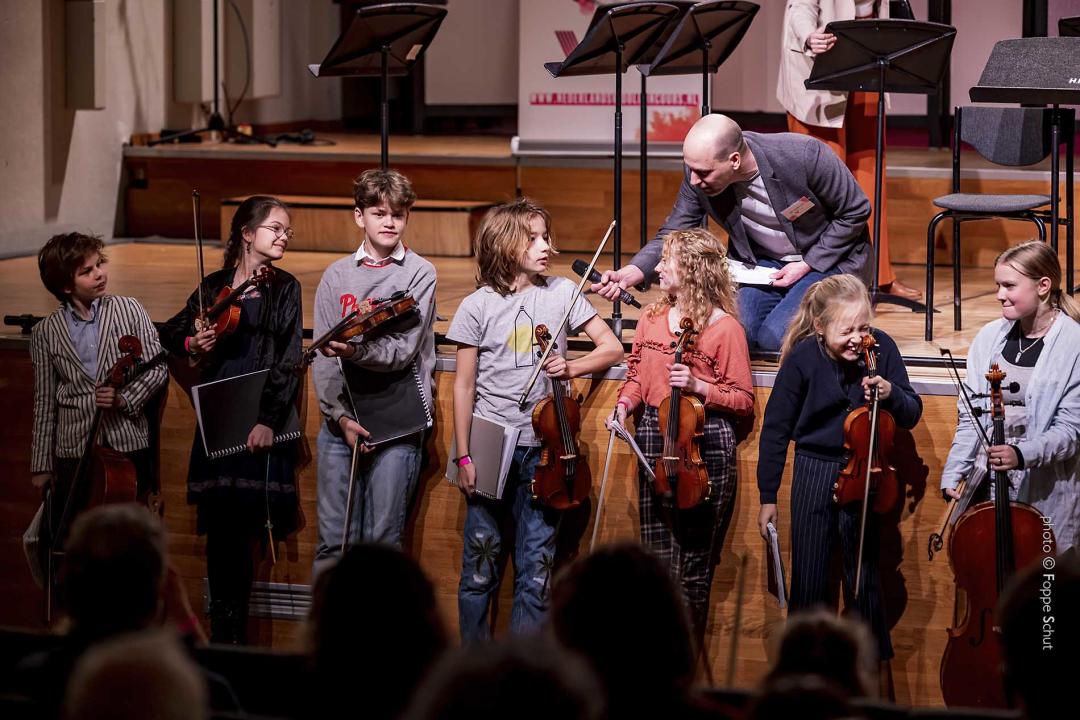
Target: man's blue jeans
pixel 767 311
pixel 534 529
pixel 386 481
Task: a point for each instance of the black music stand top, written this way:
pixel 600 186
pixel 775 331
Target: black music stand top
pixel 405 28
pixel 1069 27
pixel 914 54
pixel 636 27
pixel 1031 71
pixel 720 23
pixel 683 6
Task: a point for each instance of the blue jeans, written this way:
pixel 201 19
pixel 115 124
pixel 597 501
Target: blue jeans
pixel 766 311
pixel 386 481
pixel 483 554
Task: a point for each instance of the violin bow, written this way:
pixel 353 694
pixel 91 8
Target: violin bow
pixel 871 366
pixel 195 209
pixel 936 540
pixel 603 482
pixel 566 316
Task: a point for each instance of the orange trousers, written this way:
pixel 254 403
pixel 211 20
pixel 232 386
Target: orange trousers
pixel 854 144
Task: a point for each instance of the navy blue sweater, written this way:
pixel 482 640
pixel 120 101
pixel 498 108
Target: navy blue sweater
pixel 812 397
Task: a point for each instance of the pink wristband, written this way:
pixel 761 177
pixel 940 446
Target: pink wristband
pixel 463 461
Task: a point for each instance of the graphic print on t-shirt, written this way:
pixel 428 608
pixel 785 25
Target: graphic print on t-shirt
pixel 521 339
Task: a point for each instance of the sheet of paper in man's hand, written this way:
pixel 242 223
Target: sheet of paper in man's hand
pixel 744 274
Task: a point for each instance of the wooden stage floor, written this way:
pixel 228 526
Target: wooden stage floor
pixel 162 275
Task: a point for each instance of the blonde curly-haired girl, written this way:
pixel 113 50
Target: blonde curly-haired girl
pixel 716 369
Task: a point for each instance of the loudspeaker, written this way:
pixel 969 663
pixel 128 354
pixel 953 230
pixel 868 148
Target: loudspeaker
pixel 193 50
pixel 260 20
pixel 84 54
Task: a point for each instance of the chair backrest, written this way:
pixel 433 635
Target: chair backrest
pixel 1006 135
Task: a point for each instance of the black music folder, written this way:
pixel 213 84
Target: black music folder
pixel 389 405
pixel 227 409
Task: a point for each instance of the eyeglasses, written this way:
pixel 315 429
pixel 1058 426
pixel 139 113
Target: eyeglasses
pixel 279 231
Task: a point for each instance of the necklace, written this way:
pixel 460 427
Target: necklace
pixel 1020 346
pixel 1020 349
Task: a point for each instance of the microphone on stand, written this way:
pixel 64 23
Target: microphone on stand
pixel 580 266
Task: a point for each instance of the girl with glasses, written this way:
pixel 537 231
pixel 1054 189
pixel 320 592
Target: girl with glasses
pixel 245 499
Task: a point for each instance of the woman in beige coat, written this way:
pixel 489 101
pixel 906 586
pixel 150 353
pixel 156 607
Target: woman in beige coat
pixel 847 122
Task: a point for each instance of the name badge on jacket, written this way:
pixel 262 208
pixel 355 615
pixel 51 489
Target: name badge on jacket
pixel 797 209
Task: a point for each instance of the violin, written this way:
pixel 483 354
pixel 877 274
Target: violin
pixel 224 315
pixel 869 433
pixel 562 478
pixel 382 312
pixel 868 439
pixel 989 542
pixel 104 475
pixel 682 419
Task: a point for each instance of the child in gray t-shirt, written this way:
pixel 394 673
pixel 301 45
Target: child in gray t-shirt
pixel 495 330
pixel 503 330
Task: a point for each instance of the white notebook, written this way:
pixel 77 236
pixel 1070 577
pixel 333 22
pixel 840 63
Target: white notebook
pixel 755 275
pixel 776 568
pixel 491 447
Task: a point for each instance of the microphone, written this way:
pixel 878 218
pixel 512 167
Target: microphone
pixel 580 266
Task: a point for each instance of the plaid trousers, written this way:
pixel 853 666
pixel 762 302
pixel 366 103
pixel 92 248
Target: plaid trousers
pixel 688 542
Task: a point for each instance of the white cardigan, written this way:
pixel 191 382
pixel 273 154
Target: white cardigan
pixel 1051 450
pixel 822 108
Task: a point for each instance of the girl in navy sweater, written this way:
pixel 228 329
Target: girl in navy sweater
pixel 821 379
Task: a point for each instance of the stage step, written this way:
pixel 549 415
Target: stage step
pixel 436 227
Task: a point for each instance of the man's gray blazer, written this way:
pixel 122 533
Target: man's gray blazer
pixel 832 234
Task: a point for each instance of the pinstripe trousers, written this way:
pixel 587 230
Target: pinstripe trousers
pixel 815 523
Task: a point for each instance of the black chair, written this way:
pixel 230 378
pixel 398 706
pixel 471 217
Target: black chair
pixel 1008 136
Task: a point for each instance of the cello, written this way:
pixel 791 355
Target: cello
pixel 680 470
pixel 562 479
pixel 103 475
pixel 989 542
pixel 869 476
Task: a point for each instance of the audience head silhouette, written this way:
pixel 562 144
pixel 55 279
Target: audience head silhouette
pixel 373 623
pixel 114 569
pixel 619 608
pixel 1040 633
pixel 836 649
pixel 141 676
pixel 522 678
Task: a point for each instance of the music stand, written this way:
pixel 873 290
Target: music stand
pixel 705 37
pixel 617 40
pixel 382 40
pixel 1039 71
pixel 900 56
pixel 683 6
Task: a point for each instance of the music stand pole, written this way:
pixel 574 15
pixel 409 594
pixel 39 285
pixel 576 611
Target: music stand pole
pixel 384 110
pixel 644 107
pixel 879 171
pixel 705 109
pixel 616 307
pixel 216 122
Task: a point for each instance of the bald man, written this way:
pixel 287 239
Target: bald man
pixel 786 201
